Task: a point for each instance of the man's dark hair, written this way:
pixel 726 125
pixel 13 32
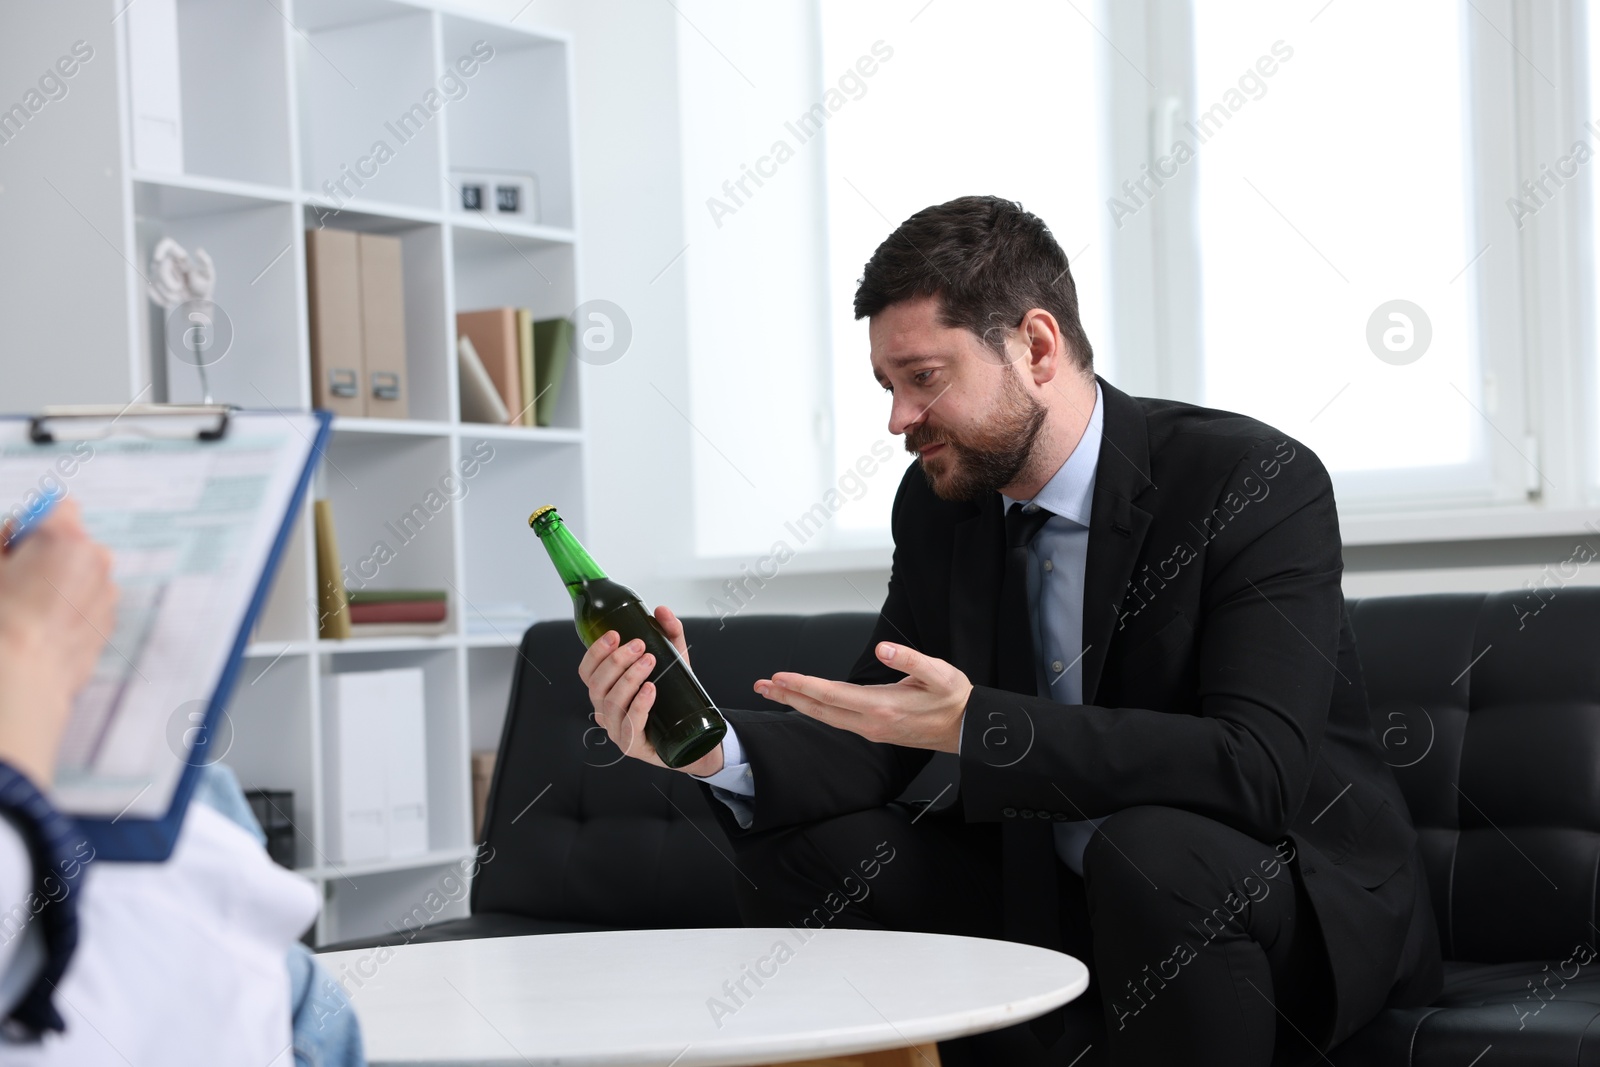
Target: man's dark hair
pixel 987 260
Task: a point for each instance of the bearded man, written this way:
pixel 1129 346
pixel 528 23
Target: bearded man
pixel 1116 625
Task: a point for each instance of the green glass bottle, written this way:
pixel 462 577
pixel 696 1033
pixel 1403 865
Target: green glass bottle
pixel 683 724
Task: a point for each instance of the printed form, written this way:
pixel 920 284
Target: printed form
pixel 191 525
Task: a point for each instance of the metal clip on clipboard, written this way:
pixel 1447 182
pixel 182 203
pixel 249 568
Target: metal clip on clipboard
pixel 94 422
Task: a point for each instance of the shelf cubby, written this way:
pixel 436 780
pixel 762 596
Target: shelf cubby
pixel 233 68
pixel 493 268
pixel 251 243
pixel 366 902
pixel 393 509
pixel 504 561
pixel 428 328
pixel 449 814
pixel 515 115
pixel 368 127
pixel 486 700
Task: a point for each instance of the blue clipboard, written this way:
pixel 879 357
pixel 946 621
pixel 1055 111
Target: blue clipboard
pixel 146 840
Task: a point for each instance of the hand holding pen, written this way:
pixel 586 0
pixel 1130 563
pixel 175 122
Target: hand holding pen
pixel 57 606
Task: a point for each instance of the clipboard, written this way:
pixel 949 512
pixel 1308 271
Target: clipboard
pixel 277 453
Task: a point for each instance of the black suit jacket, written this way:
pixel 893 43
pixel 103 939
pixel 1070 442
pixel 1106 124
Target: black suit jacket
pixel 1220 676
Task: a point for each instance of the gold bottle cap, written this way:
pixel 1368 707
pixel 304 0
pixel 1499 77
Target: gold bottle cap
pixel 535 516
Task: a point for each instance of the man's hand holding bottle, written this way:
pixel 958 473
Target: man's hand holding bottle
pixel 622 696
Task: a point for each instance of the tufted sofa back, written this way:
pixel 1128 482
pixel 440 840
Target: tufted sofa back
pixel 1487 705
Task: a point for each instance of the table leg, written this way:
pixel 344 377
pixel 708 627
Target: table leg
pixel 920 1056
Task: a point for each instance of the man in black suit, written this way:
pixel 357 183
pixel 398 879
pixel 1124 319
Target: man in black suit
pixel 1140 679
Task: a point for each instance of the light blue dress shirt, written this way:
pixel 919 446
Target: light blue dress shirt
pixel 1056 563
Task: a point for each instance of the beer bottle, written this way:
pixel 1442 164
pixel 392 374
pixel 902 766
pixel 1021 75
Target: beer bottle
pixel 683 723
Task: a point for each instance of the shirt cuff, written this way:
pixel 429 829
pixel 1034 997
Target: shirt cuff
pixel 734 785
pixel 735 775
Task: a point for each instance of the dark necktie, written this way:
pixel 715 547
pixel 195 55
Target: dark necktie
pixel 1028 863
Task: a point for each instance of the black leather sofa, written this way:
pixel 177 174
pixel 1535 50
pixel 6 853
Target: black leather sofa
pixel 1486 705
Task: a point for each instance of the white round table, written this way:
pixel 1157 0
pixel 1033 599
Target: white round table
pixel 691 998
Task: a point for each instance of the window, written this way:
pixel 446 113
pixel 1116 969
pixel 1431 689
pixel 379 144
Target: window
pixel 1334 179
pixel 1361 222
pixel 1001 102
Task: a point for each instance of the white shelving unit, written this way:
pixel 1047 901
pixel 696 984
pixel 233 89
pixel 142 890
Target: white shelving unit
pixel 278 100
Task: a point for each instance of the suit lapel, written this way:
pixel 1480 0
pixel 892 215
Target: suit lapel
pixel 1117 526
pixel 1117 529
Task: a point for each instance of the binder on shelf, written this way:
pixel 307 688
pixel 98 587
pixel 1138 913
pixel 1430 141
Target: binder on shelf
pixel 333 281
pixel 552 345
pixel 155 96
pixel 353 724
pixel 493 333
pixel 375 739
pixel 406 763
pixel 383 326
pixel 197 526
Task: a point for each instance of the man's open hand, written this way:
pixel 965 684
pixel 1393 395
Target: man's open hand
pixel 921 710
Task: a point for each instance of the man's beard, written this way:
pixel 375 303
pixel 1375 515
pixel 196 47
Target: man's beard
pixel 993 457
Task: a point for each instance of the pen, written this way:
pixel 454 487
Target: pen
pixel 19 528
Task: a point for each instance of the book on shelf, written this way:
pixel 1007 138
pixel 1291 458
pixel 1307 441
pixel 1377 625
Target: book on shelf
pixel 333 601
pixel 523 357
pixel 399 629
pixel 480 400
pixel 552 342
pixel 356 299
pixel 399 612
pixel 493 333
pixel 398 605
pixel 530 383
